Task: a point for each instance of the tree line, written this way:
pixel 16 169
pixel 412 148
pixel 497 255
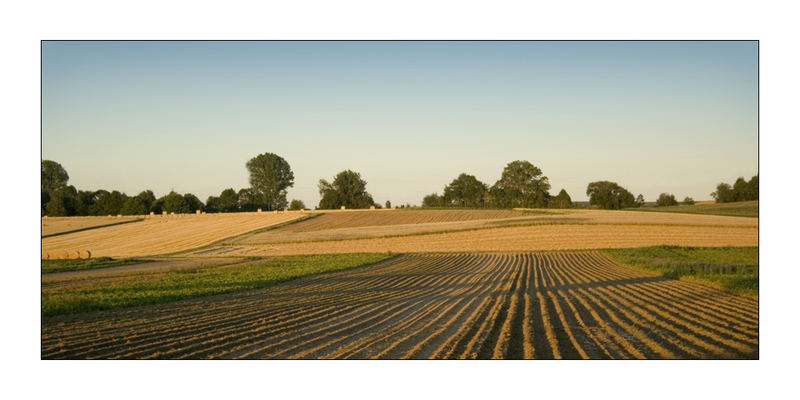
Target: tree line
pixel 741 190
pixel 521 185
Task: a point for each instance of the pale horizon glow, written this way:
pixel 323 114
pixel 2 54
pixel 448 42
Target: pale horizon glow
pixel 675 117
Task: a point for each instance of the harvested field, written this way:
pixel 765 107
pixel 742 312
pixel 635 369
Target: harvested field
pixel 164 234
pixel 334 220
pixel 335 226
pixel 60 225
pixel 524 238
pixel 558 305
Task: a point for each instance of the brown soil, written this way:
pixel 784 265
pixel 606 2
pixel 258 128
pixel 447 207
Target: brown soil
pixel 537 305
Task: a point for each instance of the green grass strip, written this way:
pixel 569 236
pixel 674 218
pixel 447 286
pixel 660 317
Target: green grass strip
pixel 50 266
pixel 203 281
pixel 732 269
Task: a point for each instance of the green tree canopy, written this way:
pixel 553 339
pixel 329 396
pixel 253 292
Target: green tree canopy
pixel 249 200
pixel 724 193
pixel 688 201
pixel 175 203
pixel 193 202
pixel 63 202
pixel 521 185
pixel 465 191
pixel 639 200
pixel 108 203
pixel 270 176
pixel 347 189
pixel 54 176
pixel 133 206
pixel 609 195
pixel 228 201
pixel 433 200
pixel 295 205
pixel 562 200
pixel 147 198
pixel 666 199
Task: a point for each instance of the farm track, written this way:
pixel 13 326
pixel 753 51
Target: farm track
pixel 558 305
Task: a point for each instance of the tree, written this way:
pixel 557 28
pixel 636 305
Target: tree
pixel 108 203
pixel 347 189
pixel 228 201
pixel 688 201
pixel 465 191
pixel 147 198
pixel 297 205
pixel 723 194
pixel 388 204
pixel 562 200
pixel 752 188
pixel 639 200
pixel 249 200
pixel 175 203
pixel 45 200
pixel 63 202
pixel 193 202
pixel 270 176
pixel 740 189
pixel 433 200
pixel 609 195
pixel 521 185
pixel 54 176
pixel 666 199
pixel 133 206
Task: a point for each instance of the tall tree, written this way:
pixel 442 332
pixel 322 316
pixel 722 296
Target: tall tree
pixel 228 201
pixel 609 195
pixel 521 185
pixel 175 203
pixel 347 189
pixel 193 202
pixel 147 198
pixel 562 200
pixel 465 191
pixel 54 176
pixel 270 176
pixel 249 200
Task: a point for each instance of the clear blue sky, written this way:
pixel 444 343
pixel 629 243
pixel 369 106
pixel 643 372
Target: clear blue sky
pixel 655 117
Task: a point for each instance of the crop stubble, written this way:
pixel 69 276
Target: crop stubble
pixel 570 305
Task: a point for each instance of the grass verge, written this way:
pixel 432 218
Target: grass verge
pixel 737 209
pixel 202 281
pixel 732 269
pixel 50 266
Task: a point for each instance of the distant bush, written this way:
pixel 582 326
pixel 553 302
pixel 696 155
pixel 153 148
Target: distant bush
pixel 295 205
pixel 741 191
pixel 666 199
pixel 688 201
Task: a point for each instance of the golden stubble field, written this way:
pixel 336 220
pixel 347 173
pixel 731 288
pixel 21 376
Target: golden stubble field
pixel 163 234
pixel 405 231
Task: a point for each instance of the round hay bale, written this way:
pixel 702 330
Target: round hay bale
pixel 342 207
pixel 86 254
pixel 73 255
pixel 62 255
pixel 259 210
pixel 152 213
pixel 198 212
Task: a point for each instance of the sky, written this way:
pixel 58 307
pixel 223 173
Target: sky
pixel 676 117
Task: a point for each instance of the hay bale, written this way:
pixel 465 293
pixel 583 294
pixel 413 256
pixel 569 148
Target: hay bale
pixel 342 208
pixel 45 255
pixel 259 210
pixel 163 213
pixel 152 213
pixel 198 212
pixel 119 215
pixel 74 254
pixel 371 207
pixel 86 254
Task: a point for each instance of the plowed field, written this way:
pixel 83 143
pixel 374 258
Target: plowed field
pixel 555 305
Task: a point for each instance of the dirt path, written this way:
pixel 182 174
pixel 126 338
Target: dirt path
pixel 572 305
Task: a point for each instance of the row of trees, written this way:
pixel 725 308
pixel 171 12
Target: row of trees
pixel 522 184
pixel 742 190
